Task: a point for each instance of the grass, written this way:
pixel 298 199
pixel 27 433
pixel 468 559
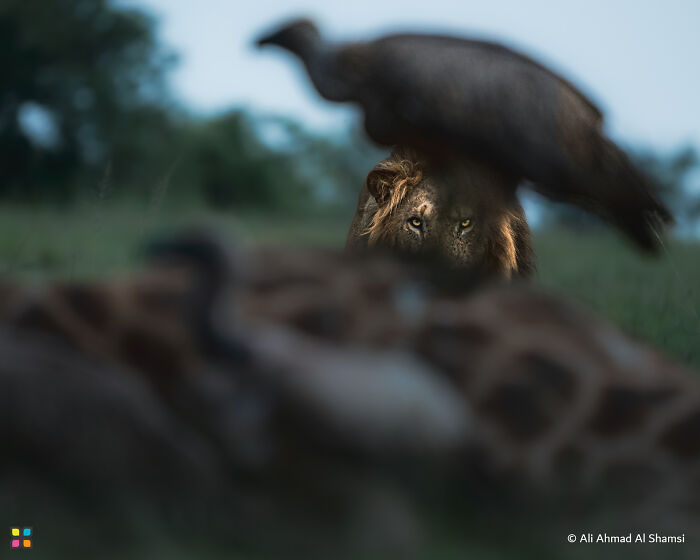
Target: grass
pixel 655 300
pixel 97 240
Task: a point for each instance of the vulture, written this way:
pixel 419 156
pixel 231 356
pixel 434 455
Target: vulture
pixel 453 97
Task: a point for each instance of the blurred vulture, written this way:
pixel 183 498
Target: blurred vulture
pixel 446 95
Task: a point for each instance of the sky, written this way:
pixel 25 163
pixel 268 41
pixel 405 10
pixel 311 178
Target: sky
pixel 638 60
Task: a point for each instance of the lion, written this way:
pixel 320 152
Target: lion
pixel 459 212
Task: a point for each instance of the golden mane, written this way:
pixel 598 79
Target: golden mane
pixel 504 245
pixel 391 178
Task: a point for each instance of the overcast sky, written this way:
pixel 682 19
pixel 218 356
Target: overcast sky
pixel 639 60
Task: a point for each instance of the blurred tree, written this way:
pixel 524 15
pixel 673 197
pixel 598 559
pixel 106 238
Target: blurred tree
pixel 84 72
pixel 232 167
pixel 334 165
pixel 673 174
pixel 241 160
pixel 342 162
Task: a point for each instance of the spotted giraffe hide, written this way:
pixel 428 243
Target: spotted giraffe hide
pixel 260 379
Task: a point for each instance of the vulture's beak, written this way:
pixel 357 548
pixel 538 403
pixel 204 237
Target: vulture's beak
pixel 268 39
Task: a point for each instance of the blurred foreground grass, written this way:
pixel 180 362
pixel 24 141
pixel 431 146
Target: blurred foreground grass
pixel 656 300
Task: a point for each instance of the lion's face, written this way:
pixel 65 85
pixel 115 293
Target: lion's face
pixel 454 213
pixel 432 219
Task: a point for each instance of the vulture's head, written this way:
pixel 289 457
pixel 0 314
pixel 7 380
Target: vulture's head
pixel 295 36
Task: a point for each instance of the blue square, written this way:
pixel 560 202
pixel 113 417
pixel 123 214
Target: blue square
pixel 27 532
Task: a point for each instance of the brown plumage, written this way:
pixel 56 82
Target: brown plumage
pixel 449 97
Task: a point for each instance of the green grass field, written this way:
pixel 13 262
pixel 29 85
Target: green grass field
pixel 656 300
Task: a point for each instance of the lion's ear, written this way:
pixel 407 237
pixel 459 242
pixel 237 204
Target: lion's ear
pixel 380 182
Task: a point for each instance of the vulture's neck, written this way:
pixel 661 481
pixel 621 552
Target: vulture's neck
pixel 320 59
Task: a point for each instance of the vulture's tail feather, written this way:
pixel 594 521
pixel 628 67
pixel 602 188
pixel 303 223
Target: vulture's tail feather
pixel 628 198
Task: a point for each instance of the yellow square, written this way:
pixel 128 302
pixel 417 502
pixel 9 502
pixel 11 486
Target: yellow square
pixel 27 543
pixel 15 532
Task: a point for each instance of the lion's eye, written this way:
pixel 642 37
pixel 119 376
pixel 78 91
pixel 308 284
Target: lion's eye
pixel 415 222
pixel 464 224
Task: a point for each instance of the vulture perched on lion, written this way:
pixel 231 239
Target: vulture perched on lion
pixel 450 97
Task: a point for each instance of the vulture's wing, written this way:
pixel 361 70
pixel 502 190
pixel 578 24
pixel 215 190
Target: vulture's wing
pixel 432 92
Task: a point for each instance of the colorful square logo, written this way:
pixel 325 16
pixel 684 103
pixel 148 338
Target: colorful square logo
pixel 25 541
